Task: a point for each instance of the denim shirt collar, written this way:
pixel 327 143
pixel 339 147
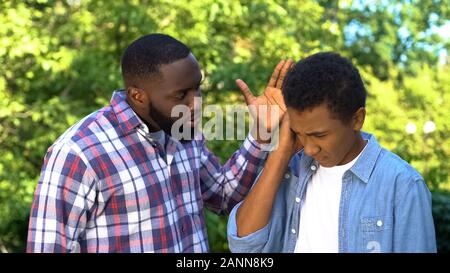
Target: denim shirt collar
pixel 362 168
pixel 365 164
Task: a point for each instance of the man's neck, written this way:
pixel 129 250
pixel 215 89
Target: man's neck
pixel 151 124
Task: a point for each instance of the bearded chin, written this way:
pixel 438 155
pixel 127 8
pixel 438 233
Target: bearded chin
pixel 165 123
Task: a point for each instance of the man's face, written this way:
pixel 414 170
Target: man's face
pixel 177 84
pixel 324 136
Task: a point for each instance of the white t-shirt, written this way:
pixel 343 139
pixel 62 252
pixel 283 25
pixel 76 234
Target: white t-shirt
pixel 319 218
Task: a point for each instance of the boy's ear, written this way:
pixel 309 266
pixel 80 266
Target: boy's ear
pixel 358 119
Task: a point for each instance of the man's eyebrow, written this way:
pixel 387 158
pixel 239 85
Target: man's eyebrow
pixel 190 87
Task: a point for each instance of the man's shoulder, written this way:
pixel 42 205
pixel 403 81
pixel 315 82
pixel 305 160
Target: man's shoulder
pixel 87 132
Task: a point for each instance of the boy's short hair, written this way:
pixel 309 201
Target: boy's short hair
pixel 325 78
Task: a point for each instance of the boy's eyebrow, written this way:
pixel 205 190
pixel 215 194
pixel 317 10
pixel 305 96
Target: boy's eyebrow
pixel 316 133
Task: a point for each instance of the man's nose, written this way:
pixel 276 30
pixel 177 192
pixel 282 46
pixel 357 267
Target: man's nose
pixel 195 104
pixel 195 101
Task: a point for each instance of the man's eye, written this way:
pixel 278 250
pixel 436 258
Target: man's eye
pixel 181 95
pixel 320 136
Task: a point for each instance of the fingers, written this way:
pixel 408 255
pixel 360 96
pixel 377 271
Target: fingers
pixel 274 96
pixel 248 95
pixel 278 97
pixel 284 70
pixel 276 74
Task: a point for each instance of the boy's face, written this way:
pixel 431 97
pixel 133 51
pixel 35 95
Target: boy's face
pixel 325 137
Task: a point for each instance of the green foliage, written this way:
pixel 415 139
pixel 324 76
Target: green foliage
pixel 61 60
pixel 217 232
pixel 441 215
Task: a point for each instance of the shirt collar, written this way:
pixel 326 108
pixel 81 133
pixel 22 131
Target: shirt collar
pixel 362 168
pixel 365 164
pixel 128 120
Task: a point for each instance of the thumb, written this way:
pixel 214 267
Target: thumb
pixel 248 95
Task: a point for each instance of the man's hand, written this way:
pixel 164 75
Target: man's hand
pixel 262 106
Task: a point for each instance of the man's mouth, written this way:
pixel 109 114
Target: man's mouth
pixel 192 122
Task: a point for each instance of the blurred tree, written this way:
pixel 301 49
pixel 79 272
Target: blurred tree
pixel 61 60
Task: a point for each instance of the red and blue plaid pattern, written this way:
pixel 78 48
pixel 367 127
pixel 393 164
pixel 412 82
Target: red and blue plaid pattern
pixel 105 188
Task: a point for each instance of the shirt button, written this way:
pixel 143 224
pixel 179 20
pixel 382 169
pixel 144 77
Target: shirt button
pixel 379 223
pixel 313 167
pixel 293 231
pixel 287 176
pixel 297 199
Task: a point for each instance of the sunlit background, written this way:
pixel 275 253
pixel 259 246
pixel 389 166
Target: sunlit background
pixel 60 60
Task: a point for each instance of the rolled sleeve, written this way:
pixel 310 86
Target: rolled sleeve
pixel 252 243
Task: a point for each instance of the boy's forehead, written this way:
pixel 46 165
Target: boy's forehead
pixel 312 119
pixel 311 114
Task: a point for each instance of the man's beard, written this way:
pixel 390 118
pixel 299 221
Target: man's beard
pixel 166 123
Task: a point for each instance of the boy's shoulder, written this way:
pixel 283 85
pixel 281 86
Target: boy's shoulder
pixel 393 165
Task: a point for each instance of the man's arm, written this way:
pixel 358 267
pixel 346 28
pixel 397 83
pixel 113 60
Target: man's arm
pixel 64 194
pixel 223 187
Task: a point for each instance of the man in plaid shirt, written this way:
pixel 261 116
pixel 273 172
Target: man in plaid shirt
pixel 117 181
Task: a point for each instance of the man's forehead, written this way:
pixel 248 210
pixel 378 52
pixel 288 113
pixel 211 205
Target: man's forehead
pixel 181 72
pixel 186 65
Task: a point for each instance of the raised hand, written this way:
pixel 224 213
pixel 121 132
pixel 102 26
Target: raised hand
pixel 272 97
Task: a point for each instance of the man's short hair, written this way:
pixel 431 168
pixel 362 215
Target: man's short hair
pixel 325 78
pixel 144 56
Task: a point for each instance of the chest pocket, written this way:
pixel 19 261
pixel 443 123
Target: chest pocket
pixel 376 233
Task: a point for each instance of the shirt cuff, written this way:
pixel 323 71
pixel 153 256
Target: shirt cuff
pixel 263 147
pixel 254 242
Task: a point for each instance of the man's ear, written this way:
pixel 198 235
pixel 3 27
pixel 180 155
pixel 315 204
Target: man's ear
pixel 358 119
pixel 137 96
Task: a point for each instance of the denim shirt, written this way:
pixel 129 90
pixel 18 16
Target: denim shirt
pixel 385 207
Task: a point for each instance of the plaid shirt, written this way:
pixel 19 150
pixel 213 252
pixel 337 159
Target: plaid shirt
pixel 104 187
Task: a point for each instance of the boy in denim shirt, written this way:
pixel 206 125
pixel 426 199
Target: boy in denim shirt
pixel 330 187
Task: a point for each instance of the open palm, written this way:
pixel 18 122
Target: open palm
pixel 268 109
